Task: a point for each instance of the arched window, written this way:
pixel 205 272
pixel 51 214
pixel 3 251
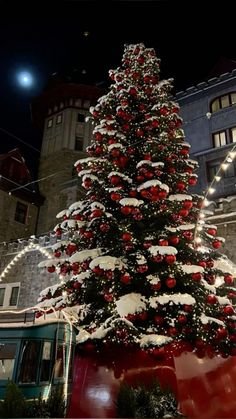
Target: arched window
pixel 223 101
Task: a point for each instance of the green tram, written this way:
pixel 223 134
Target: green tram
pixel 36 354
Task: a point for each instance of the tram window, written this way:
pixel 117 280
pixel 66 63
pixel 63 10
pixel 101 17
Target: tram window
pixel 59 364
pixel 46 361
pixel 7 360
pixel 29 362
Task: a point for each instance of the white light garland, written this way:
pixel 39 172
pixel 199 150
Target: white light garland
pixel 19 255
pixel 211 189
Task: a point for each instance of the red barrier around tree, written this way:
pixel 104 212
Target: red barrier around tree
pixel 205 387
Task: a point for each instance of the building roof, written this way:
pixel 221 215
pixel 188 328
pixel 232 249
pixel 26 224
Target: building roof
pixel 15 177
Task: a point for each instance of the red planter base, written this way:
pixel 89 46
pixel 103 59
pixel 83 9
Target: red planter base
pixel 204 387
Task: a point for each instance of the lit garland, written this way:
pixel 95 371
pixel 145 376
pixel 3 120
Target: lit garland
pixel 19 255
pixel 211 189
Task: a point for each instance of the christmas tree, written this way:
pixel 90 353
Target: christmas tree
pixel 141 267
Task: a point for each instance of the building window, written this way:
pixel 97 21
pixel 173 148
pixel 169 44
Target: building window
pixel 59 119
pixel 80 117
pixel 233 135
pixel 222 102
pixel 219 139
pixel 21 212
pixel 50 122
pixel 212 169
pixel 9 294
pixel 2 294
pixel 14 296
pixel 79 143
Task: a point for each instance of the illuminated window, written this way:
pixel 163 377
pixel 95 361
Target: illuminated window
pixel 50 122
pixel 233 135
pixel 59 119
pixel 21 212
pixel 219 139
pixel 222 102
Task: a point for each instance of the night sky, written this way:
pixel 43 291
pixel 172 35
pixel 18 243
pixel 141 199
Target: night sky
pixel 51 38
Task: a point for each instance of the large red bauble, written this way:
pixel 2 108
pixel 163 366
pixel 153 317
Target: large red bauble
pixel 155 123
pixel 126 210
pixel 126 237
pixel 196 276
pixel 170 282
pixel 98 136
pixel 217 244
pixel 192 181
pixel 182 319
pixel 180 186
pixel 174 240
pixel 133 91
pixel 164 110
pixel 202 263
pixel 157 258
pixel 77 285
pixel 88 234
pixel 51 269
pixel 157 286
pixel 132 193
pixel 187 204
pixel 210 263
pixel 108 297
pixel 183 212
pixel 159 320
pixel 143 316
pixel 142 268
pixel 115 152
pixel 126 278
pixel 139 132
pixel 221 333
pixel 228 310
pixel 163 242
pixel 87 183
pixel 104 227
pixel 96 213
pixel 170 259
pixel 98 149
pixel 229 279
pixel 115 180
pixel 184 151
pixel 211 299
pixel 57 254
pixel 162 194
pixel 147 244
pixel 149 175
pixel 155 198
pixel 115 196
pixel 188 308
pixel 231 295
pixel 212 231
pixel 172 331
pixel 58 232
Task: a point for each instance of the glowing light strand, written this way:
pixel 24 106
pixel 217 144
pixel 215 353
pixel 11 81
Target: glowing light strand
pixel 211 189
pixel 19 255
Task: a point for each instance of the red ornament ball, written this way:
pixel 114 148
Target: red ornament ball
pixel 170 259
pixel 171 282
pixel 51 269
pixel 126 237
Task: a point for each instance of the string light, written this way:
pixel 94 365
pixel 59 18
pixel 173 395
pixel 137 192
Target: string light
pixel 224 166
pixel 28 248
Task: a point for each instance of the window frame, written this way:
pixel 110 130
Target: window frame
pixel 8 293
pixel 59 119
pixel 83 116
pixel 50 123
pixel 220 98
pixel 79 138
pixel 17 212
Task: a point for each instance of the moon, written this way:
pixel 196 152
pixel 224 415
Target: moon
pixel 25 79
